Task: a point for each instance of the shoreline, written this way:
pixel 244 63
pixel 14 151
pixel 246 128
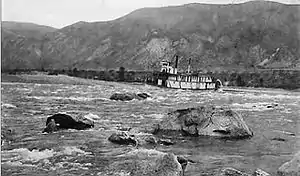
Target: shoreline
pixel 44 78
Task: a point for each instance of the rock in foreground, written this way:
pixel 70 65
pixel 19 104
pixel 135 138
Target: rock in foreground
pixel 129 96
pixel 64 121
pixel 204 121
pixel 291 168
pixel 147 162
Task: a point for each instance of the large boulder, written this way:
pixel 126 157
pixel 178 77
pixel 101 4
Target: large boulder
pixel 204 121
pixel 291 168
pixel 146 162
pixel 63 121
pixel 129 96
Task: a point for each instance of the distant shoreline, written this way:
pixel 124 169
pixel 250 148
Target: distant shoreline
pixel 44 78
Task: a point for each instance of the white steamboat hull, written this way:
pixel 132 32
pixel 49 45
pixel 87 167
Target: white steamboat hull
pixel 188 85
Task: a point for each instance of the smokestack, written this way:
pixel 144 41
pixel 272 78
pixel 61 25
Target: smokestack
pixel 176 61
pixel 189 66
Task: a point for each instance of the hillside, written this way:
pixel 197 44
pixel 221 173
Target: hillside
pixel 29 30
pixel 217 37
pixel 20 44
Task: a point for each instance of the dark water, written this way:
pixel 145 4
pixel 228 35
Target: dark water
pixel 25 108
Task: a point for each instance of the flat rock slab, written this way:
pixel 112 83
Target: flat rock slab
pixel 137 139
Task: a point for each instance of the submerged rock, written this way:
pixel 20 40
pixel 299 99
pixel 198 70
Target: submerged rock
pixel 264 106
pixel 122 138
pixel 234 172
pixel 204 121
pixel 122 96
pixel 150 140
pixel 143 95
pixel 127 138
pixel 165 142
pixel 129 96
pixel 147 162
pixel 231 172
pixel 259 172
pixel 272 105
pixel 291 168
pixel 63 121
pixel 278 139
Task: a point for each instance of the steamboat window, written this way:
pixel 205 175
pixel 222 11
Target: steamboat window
pixel 209 79
pixel 194 79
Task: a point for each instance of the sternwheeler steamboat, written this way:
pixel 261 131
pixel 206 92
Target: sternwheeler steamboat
pixel 169 77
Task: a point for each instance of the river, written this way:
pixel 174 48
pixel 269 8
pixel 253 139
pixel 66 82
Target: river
pixel 25 107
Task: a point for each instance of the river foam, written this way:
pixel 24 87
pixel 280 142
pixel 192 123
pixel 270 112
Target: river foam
pixel 26 157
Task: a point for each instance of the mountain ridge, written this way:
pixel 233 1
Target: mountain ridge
pixel 26 28
pixel 216 36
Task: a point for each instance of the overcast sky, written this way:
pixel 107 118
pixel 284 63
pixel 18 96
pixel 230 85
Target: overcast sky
pixel 60 13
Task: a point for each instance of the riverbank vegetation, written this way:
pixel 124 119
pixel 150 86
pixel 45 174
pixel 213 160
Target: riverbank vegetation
pixel 285 79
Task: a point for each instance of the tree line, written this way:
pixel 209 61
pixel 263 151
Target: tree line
pixel 285 79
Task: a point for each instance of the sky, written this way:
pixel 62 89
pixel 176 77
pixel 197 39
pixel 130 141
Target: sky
pixel 60 13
